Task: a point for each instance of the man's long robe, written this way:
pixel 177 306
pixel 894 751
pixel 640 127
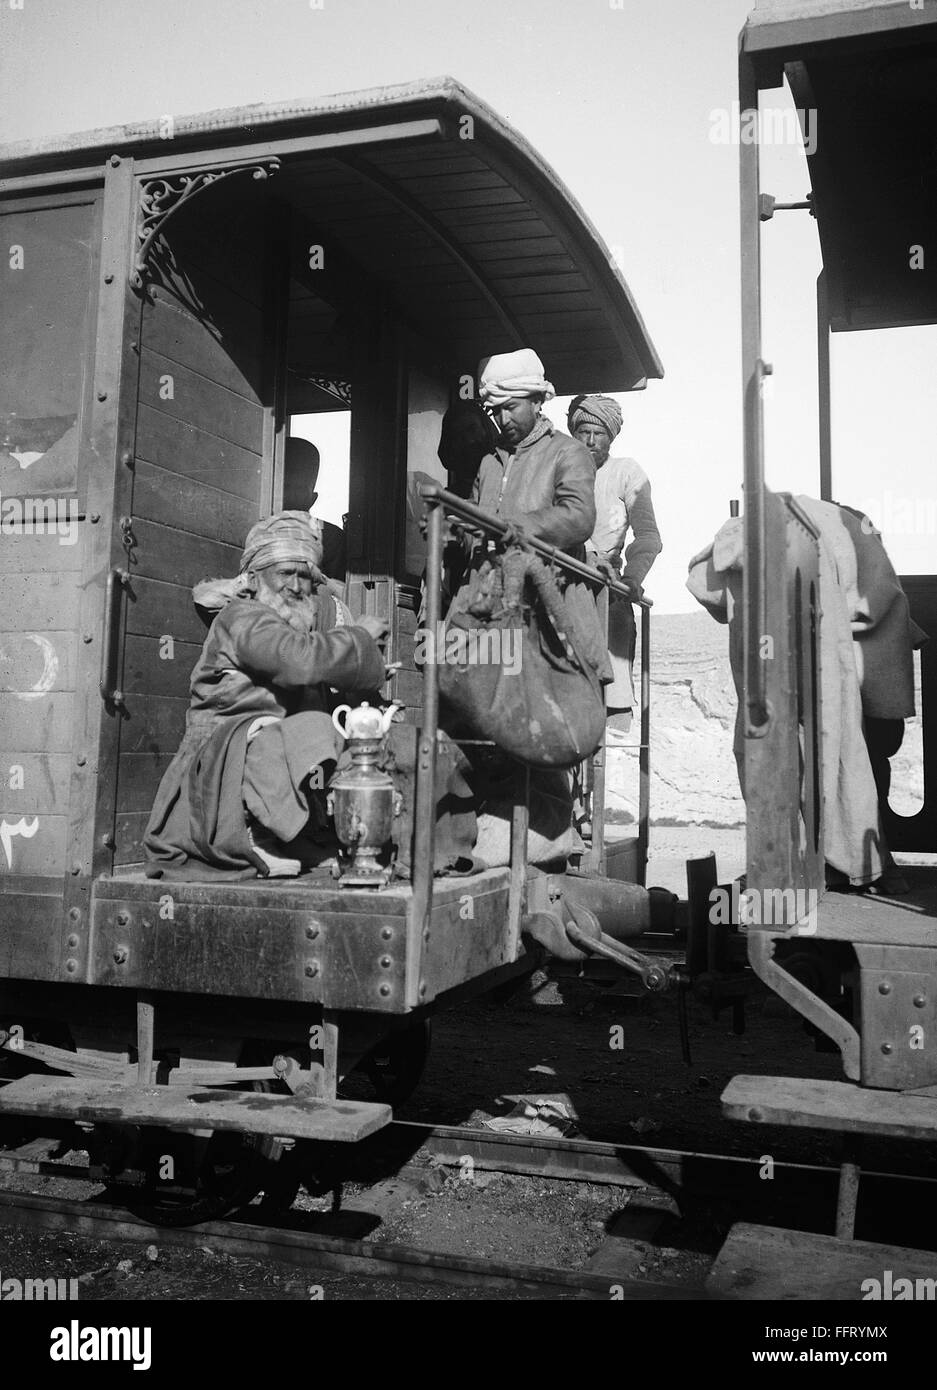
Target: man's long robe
pixel 253 663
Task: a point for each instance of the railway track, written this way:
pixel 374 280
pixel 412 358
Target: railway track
pixel 665 1193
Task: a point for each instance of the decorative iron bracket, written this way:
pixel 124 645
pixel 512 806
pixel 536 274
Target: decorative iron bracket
pixel 338 390
pixel 161 197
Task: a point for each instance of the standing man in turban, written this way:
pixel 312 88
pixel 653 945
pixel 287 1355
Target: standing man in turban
pixel 245 789
pixel 539 479
pixel 622 501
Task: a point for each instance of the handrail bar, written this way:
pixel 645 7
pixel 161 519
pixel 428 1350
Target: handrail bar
pixel 432 492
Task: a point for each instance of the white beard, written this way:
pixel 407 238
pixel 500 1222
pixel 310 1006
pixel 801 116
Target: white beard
pixel 301 616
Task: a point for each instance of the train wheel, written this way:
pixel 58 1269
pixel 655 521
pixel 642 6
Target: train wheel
pixel 224 1172
pixel 191 1179
pixel 395 1065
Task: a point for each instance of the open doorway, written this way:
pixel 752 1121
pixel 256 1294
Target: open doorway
pixel 318 448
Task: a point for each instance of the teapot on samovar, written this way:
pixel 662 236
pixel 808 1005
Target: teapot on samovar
pixel 363 800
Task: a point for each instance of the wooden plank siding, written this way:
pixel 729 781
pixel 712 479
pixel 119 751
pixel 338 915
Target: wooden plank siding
pixel 40 579
pixel 180 447
pixel 151 663
pixel 198 476
pixel 193 398
pixel 175 500
pixel 157 609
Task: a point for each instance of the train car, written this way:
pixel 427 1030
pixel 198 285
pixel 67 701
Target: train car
pixel 175 293
pixel 861 970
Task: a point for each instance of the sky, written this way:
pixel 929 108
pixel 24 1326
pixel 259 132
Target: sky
pixel 624 103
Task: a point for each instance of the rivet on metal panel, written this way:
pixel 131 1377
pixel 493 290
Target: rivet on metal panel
pixel 81 760
pixel 102 395
pixel 121 955
pixel 887 1049
pixel 919 1001
pixel 126 457
pixel 422 988
pixel 755 1114
pixel 426 936
pixel 109 278
pixel 386 962
pixel 123 918
pixel 387 933
pixel 76 869
pixel 71 966
pixel 884 987
pixel 107 840
pixel 87 637
pixel 312 930
pixel 384 990
pixel 72 942
pixel 95 517
pixel 312 969
pixel 74 914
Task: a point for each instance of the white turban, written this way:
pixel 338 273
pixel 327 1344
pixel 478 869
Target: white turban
pixel 512 375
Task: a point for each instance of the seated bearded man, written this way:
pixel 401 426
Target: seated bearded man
pixel 244 794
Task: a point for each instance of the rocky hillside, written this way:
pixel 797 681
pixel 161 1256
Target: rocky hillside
pixel 693 776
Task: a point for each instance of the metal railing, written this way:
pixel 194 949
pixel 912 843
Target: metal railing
pixel 441 504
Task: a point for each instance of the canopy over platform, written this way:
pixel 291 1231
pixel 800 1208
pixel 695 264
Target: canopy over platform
pixel 869 73
pixel 433 197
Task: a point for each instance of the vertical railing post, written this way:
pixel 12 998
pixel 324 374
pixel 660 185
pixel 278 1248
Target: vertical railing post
pixel 592 770
pixel 424 818
pixel 753 374
pixel 517 893
pixel 823 389
pixel 644 752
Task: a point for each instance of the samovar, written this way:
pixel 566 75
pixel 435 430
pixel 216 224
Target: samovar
pixel 363 800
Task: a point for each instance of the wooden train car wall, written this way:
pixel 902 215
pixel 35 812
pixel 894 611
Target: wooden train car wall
pixel 204 428
pixel 49 265
pixel 144 433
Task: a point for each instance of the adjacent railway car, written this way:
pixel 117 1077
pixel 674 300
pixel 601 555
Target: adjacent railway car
pixel 861 970
pixel 175 295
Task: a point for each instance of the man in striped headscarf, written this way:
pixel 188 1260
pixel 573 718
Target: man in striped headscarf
pixel 243 792
pixel 622 502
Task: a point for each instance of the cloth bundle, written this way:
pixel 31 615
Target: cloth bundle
pixel 525 674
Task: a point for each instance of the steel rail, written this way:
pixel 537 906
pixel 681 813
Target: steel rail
pixel 626 1165
pixel 672 1171
pixel 294 1240
pixel 289 1245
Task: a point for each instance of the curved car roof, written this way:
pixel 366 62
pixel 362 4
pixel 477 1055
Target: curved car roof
pixel 433 195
